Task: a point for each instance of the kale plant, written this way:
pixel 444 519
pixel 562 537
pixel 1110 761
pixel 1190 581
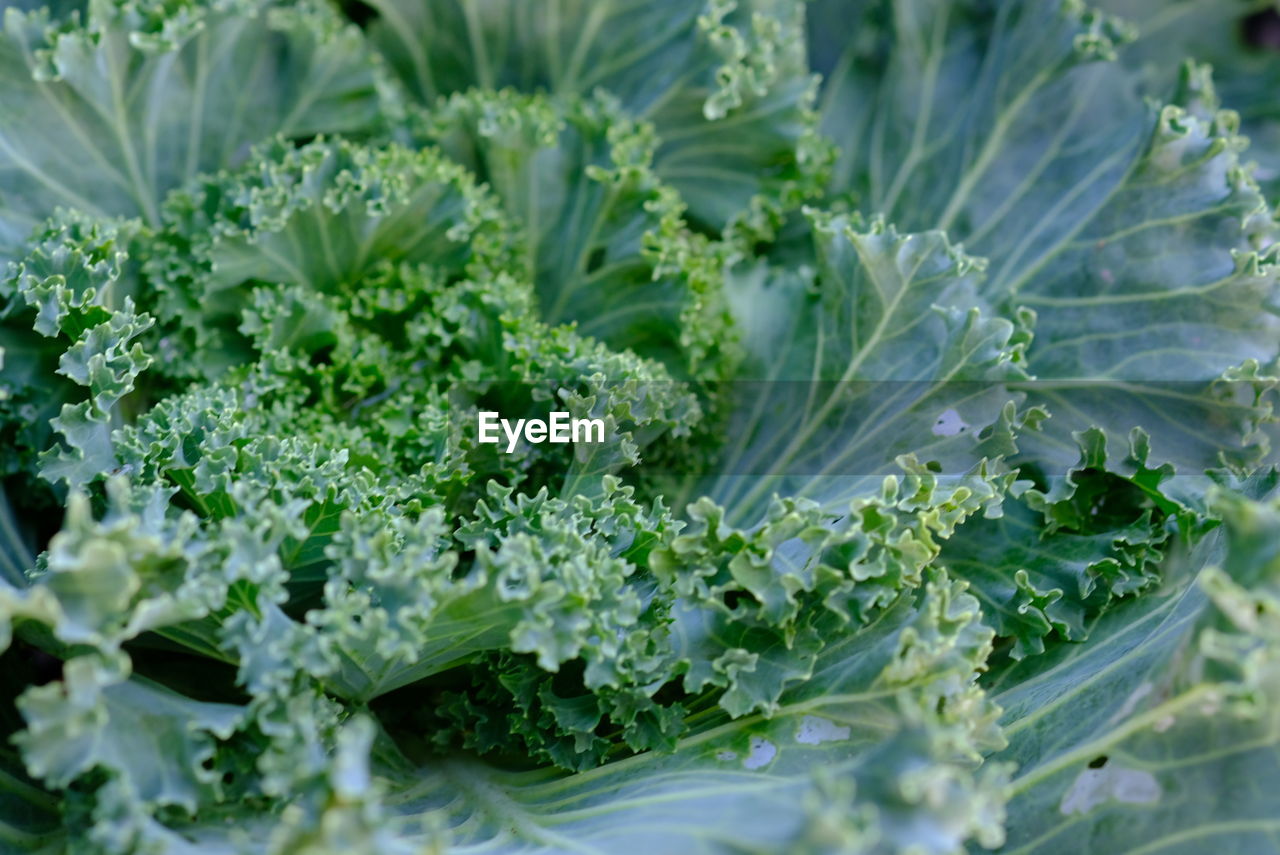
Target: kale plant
pixel 934 346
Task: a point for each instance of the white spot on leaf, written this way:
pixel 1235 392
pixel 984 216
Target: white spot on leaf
pixel 1110 783
pixel 815 731
pixel 726 756
pixel 761 754
pixel 1131 702
pixel 949 424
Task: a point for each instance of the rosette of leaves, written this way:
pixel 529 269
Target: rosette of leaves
pixel 935 342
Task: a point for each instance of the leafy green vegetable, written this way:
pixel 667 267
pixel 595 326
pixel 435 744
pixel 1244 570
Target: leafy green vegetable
pixel 725 84
pixel 933 345
pixel 109 116
pixel 1184 679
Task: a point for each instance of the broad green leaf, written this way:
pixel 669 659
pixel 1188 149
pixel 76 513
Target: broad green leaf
pixel 976 117
pixel 872 426
pixel 879 353
pixel 1136 233
pixel 603 241
pixel 1194 365
pixel 724 83
pixel 1160 732
pixel 106 117
pixel 1237 39
pixel 1034 580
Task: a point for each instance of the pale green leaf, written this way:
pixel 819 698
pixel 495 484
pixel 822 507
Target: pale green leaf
pixel 107 117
